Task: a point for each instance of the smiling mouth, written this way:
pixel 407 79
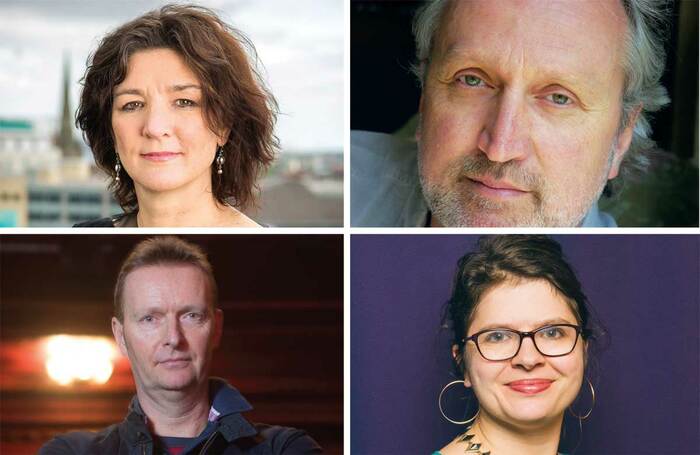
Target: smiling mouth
pixel 160 156
pixel 530 386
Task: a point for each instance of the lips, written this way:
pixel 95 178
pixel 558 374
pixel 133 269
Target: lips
pixel 160 155
pixel 174 363
pixel 530 386
pixel 497 188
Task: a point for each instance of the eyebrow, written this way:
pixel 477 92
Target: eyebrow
pixel 171 89
pixel 457 53
pixel 539 324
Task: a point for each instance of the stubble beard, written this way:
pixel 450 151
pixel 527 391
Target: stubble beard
pixel 453 203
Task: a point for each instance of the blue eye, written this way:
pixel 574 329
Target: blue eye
pixel 471 80
pixel 553 332
pixel 497 336
pixel 194 316
pixel 561 100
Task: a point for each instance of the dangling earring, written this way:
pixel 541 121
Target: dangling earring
pixel 585 416
pixel 456 422
pixel 220 161
pixel 117 168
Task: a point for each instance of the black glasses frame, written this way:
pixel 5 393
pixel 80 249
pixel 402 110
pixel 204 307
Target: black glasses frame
pixel 579 333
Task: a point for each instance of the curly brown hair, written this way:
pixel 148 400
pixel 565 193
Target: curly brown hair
pixel 235 97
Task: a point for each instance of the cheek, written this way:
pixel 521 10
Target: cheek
pixel 120 132
pixel 572 150
pixel 570 367
pixel 194 135
pixel 480 372
pixel 446 136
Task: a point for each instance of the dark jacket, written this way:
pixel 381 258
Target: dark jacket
pixel 121 220
pixel 229 434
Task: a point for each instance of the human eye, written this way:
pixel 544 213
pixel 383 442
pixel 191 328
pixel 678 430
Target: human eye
pixel 184 102
pixel 148 319
pixel 194 316
pixel 553 332
pixel 131 106
pixel 559 99
pixel 471 80
pixel 497 336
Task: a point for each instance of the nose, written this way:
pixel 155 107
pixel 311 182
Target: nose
pixel 173 335
pixel 506 132
pixel 158 122
pixel 528 357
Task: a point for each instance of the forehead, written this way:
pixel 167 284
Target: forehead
pixel 574 37
pixel 157 66
pixel 165 285
pixel 523 304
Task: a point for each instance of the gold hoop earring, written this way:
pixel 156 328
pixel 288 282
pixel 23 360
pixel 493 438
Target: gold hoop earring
pixel 465 422
pixel 584 417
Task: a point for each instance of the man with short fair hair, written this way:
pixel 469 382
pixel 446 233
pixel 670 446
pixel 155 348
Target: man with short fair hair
pixel 529 111
pixel 167 323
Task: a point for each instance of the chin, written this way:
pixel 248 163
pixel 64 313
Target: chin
pixel 177 380
pixel 161 183
pixel 533 414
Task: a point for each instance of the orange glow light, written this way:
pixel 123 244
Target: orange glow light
pixel 84 358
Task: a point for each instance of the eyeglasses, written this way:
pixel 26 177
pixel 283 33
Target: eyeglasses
pixel 503 344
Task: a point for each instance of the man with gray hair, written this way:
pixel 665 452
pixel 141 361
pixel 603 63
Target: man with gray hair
pixel 529 111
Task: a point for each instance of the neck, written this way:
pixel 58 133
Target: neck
pixel 504 439
pixel 181 414
pixel 185 208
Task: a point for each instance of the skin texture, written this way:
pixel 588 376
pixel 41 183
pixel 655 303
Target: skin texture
pixel 509 421
pixel 526 100
pixel 158 107
pixel 168 315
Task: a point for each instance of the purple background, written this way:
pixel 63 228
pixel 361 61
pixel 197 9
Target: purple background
pixel 644 289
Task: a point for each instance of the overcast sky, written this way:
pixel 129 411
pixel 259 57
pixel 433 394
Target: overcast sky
pixel 300 43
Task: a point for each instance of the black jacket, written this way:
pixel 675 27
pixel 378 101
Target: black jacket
pixel 230 434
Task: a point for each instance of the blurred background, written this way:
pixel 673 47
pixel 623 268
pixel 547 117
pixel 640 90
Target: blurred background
pixel 385 95
pixel 47 175
pixel 282 344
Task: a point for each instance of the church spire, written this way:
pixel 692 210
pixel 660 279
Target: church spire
pixel 70 148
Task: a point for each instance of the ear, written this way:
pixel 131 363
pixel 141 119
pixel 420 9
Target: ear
pixel 223 137
pixel 459 360
pixel 218 326
pixel 623 141
pixel 118 332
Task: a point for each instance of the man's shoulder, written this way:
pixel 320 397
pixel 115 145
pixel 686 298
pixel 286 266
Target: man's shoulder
pixel 81 442
pixel 384 184
pixel 287 440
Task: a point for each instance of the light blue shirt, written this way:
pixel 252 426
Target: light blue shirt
pixel 385 189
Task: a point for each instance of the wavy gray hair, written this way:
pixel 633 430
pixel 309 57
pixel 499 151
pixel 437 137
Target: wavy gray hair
pixel 643 65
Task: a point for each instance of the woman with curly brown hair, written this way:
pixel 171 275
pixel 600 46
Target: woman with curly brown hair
pixel 176 113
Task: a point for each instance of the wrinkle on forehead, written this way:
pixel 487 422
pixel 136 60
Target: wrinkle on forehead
pixel 571 37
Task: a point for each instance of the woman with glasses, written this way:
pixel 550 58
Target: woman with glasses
pixel 521 332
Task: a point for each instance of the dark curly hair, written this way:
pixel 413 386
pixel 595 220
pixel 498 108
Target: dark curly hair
pixel 235 97
pixel 505 257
